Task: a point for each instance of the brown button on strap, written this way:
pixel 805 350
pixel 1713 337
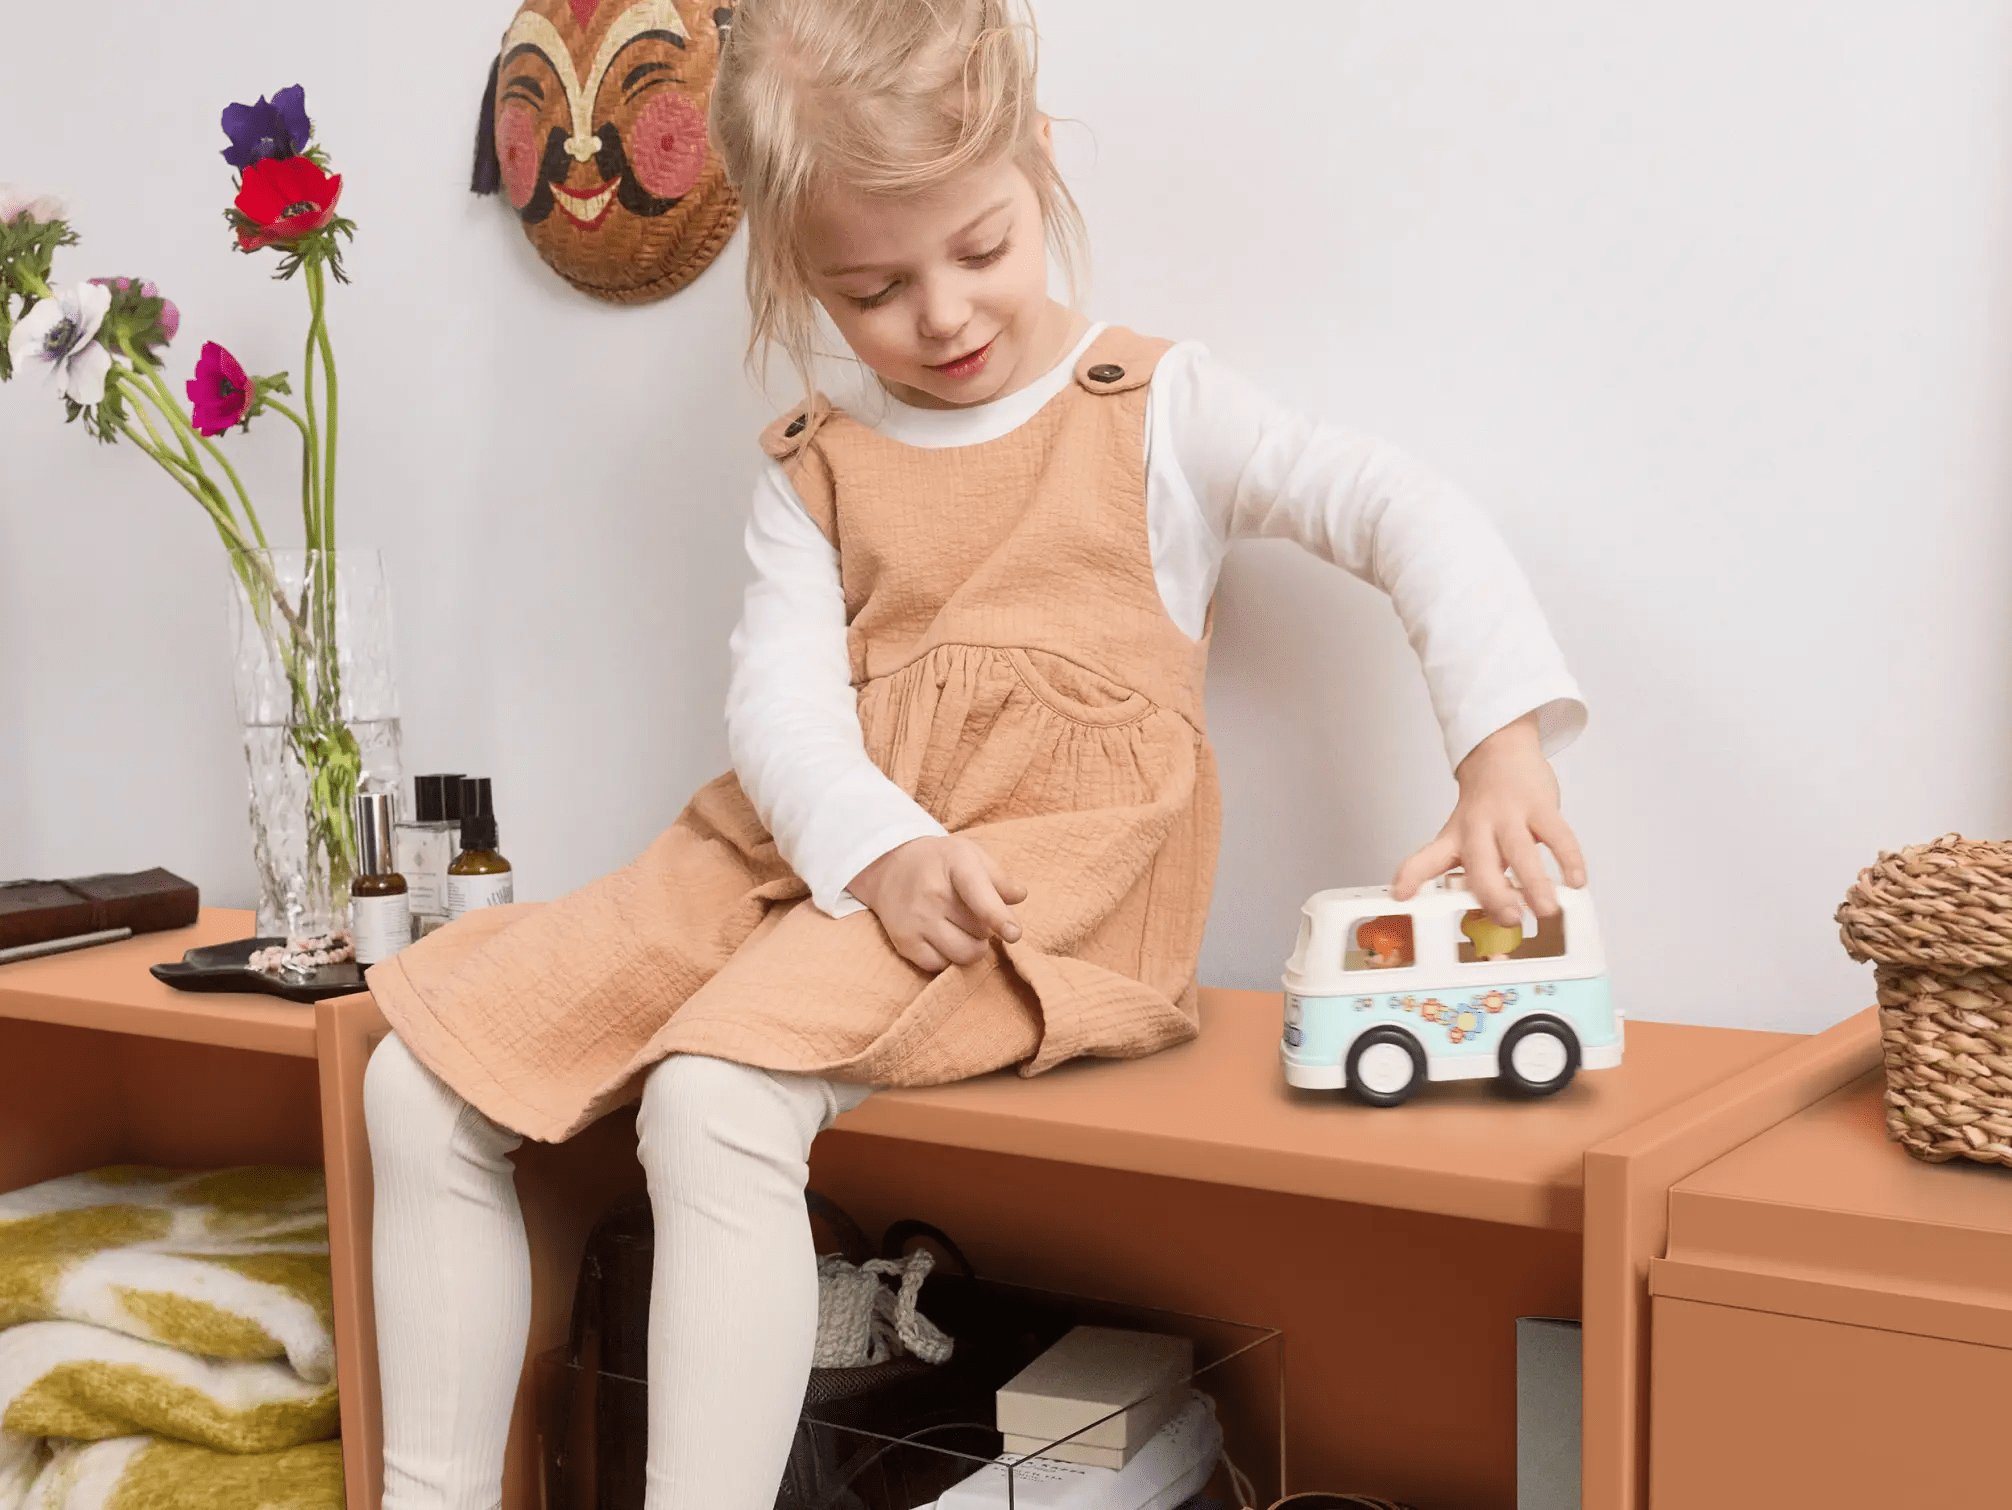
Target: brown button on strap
pixel 1106 372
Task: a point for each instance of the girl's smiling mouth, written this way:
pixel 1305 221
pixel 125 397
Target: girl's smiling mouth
pixel 967 364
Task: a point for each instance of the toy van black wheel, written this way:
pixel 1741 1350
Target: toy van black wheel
pixel 1385 1067
pixel 1539 1057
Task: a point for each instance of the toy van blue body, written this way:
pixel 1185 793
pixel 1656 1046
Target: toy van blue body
pixel 1461 1013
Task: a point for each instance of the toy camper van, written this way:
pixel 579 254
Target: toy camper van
pixel 1382 995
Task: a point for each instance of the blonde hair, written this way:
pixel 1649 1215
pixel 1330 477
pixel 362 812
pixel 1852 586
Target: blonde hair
pixel 886 97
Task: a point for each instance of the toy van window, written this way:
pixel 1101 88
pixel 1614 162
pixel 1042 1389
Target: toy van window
pixel 1380 943
pixel 1485 941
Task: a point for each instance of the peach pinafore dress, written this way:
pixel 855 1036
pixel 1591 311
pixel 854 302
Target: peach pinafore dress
pixel 1019 676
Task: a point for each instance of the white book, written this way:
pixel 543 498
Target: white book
pixel 1100 1387
pixel 1168 1470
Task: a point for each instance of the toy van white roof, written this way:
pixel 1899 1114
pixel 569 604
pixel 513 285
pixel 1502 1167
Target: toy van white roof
pixel 1318 966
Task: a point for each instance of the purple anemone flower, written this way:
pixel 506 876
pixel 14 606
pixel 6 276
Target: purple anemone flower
pixel 219 393
pixel 272 128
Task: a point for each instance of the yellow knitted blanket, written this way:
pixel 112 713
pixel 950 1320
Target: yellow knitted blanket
pixel 226 1264
pixel 165 1341
pixel 146 1473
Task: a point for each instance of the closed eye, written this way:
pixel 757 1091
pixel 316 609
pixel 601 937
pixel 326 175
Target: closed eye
pixel 986 259
pixel 646 74
pixel 874 301
pixel 524 87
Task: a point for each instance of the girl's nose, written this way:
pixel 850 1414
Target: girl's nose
pixel 945 310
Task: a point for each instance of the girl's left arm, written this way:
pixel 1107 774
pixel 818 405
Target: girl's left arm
pixel 1498 683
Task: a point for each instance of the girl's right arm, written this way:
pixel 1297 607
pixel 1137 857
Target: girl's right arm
pixel 793 734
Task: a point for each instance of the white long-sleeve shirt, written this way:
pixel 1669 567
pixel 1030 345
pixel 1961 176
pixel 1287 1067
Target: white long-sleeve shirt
pixel 1222 463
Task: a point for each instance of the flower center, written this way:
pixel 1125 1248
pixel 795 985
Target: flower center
pixel 227 389
pixel 58 340
pixel 299 207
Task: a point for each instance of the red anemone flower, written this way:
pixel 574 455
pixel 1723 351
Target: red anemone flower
pixel 285 199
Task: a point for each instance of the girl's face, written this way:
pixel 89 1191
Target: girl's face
pixel 944 297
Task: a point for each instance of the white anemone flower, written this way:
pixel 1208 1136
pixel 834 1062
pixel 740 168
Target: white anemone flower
pixel 61 333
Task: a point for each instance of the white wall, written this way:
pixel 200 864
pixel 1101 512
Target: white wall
pixel 1709 303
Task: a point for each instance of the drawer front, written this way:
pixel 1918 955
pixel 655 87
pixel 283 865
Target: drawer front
pixel 1750 1410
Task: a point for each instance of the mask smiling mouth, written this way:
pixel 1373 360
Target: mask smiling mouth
pixel 618 185
pixel 586 210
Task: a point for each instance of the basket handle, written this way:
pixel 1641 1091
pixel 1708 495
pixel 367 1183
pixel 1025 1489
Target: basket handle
pixel 848 1234
pixel 895 1243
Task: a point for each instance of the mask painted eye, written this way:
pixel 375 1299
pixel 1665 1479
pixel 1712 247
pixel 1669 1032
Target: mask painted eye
pixel 668 145
pixel 517 151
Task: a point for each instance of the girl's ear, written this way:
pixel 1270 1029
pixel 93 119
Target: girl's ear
pixel 1048 137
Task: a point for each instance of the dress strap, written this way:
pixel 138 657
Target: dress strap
pixel 791 431
pixel 1119 360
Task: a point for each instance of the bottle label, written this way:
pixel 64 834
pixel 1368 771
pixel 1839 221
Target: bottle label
pixel 424 851
pixel 381 926
pixel 466 893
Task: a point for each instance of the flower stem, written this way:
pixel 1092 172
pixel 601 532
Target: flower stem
pixel 188 433
pixel 317 291
pixel 310 483
pixel 194 485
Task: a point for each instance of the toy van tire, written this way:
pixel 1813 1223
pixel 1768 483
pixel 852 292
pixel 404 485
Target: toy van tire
pixel 1385 1067
pixel 1539 1057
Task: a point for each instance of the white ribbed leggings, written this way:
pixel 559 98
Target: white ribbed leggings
pixel 733 1301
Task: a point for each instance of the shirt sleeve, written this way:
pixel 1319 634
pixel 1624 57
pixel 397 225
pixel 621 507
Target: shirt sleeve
pixel 1255 469
pixel 793 716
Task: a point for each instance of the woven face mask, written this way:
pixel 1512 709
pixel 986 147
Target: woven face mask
pixel 594 127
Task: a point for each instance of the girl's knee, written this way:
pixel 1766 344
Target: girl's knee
pixel 692 1103
pixel 407 1108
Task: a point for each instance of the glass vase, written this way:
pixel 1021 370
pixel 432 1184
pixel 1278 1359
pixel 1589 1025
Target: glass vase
pixel 311 649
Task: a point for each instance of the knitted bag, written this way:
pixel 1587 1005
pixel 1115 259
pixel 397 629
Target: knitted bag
pixel 1936 921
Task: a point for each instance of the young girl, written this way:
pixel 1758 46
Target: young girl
pixel 972 818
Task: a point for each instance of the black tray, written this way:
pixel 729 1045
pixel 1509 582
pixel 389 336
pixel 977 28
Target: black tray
pixel 223 967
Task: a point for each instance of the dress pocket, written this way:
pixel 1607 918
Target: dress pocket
pixel 1077 693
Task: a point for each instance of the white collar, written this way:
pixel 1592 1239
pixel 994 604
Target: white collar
pixel 937 429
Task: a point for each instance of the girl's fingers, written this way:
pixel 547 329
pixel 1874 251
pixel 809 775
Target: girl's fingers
pixel 962 918
pixel 1520 850
pixel 1485 879
pixel 919 952
pixel 955 945
pixel 1009 889
pixel 1435 859
pixel 971 881
pixel 1558 837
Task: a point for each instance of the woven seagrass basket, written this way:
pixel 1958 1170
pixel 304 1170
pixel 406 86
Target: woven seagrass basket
pixel 1936 922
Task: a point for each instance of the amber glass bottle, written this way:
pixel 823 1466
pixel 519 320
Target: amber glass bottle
pixel 479 876
pixel 380 911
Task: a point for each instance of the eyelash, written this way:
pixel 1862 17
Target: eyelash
pixel 983 259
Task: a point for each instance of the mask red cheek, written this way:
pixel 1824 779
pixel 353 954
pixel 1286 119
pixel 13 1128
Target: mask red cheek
pixel 517 151
pixel 667 145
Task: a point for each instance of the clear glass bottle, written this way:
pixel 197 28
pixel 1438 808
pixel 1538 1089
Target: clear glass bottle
pixel 427 844
pixel 379 906
pixel 479 876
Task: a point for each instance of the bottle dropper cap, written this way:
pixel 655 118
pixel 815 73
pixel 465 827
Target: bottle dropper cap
pixel 375 813
pixel 478 814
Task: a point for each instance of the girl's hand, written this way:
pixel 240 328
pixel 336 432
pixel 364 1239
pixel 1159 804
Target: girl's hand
pixel 1508 805
pixel 941 900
